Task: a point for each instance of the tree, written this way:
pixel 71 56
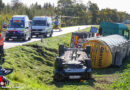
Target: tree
pixel 93 8
pixel 1 5
pixel 65 3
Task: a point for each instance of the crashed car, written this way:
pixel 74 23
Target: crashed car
pixel 72 63
pixel 3 80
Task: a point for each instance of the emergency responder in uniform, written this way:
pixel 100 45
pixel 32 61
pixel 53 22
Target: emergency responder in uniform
pixel 2 31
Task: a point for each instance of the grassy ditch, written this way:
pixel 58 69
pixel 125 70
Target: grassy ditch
pixel 33 68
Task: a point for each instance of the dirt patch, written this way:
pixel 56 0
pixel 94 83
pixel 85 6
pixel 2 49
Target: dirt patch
pixel 98 88
pixel 104 82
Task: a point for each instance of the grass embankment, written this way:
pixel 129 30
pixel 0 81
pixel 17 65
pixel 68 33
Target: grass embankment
pixel 33 68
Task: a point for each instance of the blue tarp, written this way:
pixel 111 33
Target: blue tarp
pixel 94 30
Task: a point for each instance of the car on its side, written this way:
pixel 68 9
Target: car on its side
pixel 72 63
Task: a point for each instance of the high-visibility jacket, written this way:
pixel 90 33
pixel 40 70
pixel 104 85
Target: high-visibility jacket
pixel 1 40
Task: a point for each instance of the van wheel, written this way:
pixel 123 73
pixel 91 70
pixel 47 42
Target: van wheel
pixel 29 38
pixel 51 34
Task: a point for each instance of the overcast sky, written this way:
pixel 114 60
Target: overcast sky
pixel 120 5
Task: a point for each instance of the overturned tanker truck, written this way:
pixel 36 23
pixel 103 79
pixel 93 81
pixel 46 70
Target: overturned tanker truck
pixel 108 50
pixel 103 50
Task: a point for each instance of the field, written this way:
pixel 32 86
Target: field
pixel 33 66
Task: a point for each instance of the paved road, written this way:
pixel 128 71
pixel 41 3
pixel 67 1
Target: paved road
pixel 11 44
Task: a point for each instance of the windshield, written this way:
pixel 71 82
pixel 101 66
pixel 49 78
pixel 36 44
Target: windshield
pixel 39 23
pixel 16 25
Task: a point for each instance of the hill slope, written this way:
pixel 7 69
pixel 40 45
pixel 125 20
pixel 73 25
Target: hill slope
pixel 33 68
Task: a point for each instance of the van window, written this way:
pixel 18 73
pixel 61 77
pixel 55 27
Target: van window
pixel 39 23
pixel 14 24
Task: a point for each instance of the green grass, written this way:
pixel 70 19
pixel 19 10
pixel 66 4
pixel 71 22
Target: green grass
pixel 33 68
pixel 123 82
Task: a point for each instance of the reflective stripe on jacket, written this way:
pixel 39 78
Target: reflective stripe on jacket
pixel 1 40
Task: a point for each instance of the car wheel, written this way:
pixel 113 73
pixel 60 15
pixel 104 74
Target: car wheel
pixel 58 77
pixel 89 75
pixel 58 64
pixel 88 63
pixel 61 50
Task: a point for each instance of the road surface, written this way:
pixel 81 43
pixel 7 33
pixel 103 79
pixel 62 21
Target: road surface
pixel 11 44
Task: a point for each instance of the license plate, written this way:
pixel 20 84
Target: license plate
pixel 13 37
pixel 36 33
pixel 74 77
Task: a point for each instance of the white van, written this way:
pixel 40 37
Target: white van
pixel 19 28
pixel 42 25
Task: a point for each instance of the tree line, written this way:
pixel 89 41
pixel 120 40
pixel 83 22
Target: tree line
pixel 72 13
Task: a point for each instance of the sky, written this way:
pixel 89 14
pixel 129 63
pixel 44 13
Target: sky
pixel 120 5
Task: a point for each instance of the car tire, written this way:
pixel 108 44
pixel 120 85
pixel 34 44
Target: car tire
pixel 61 49
pixel 89 75
pixel 58 77
pixel 58 64
pixel 88 63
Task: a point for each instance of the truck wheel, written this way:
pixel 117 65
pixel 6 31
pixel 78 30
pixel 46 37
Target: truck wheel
pixel 61 50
